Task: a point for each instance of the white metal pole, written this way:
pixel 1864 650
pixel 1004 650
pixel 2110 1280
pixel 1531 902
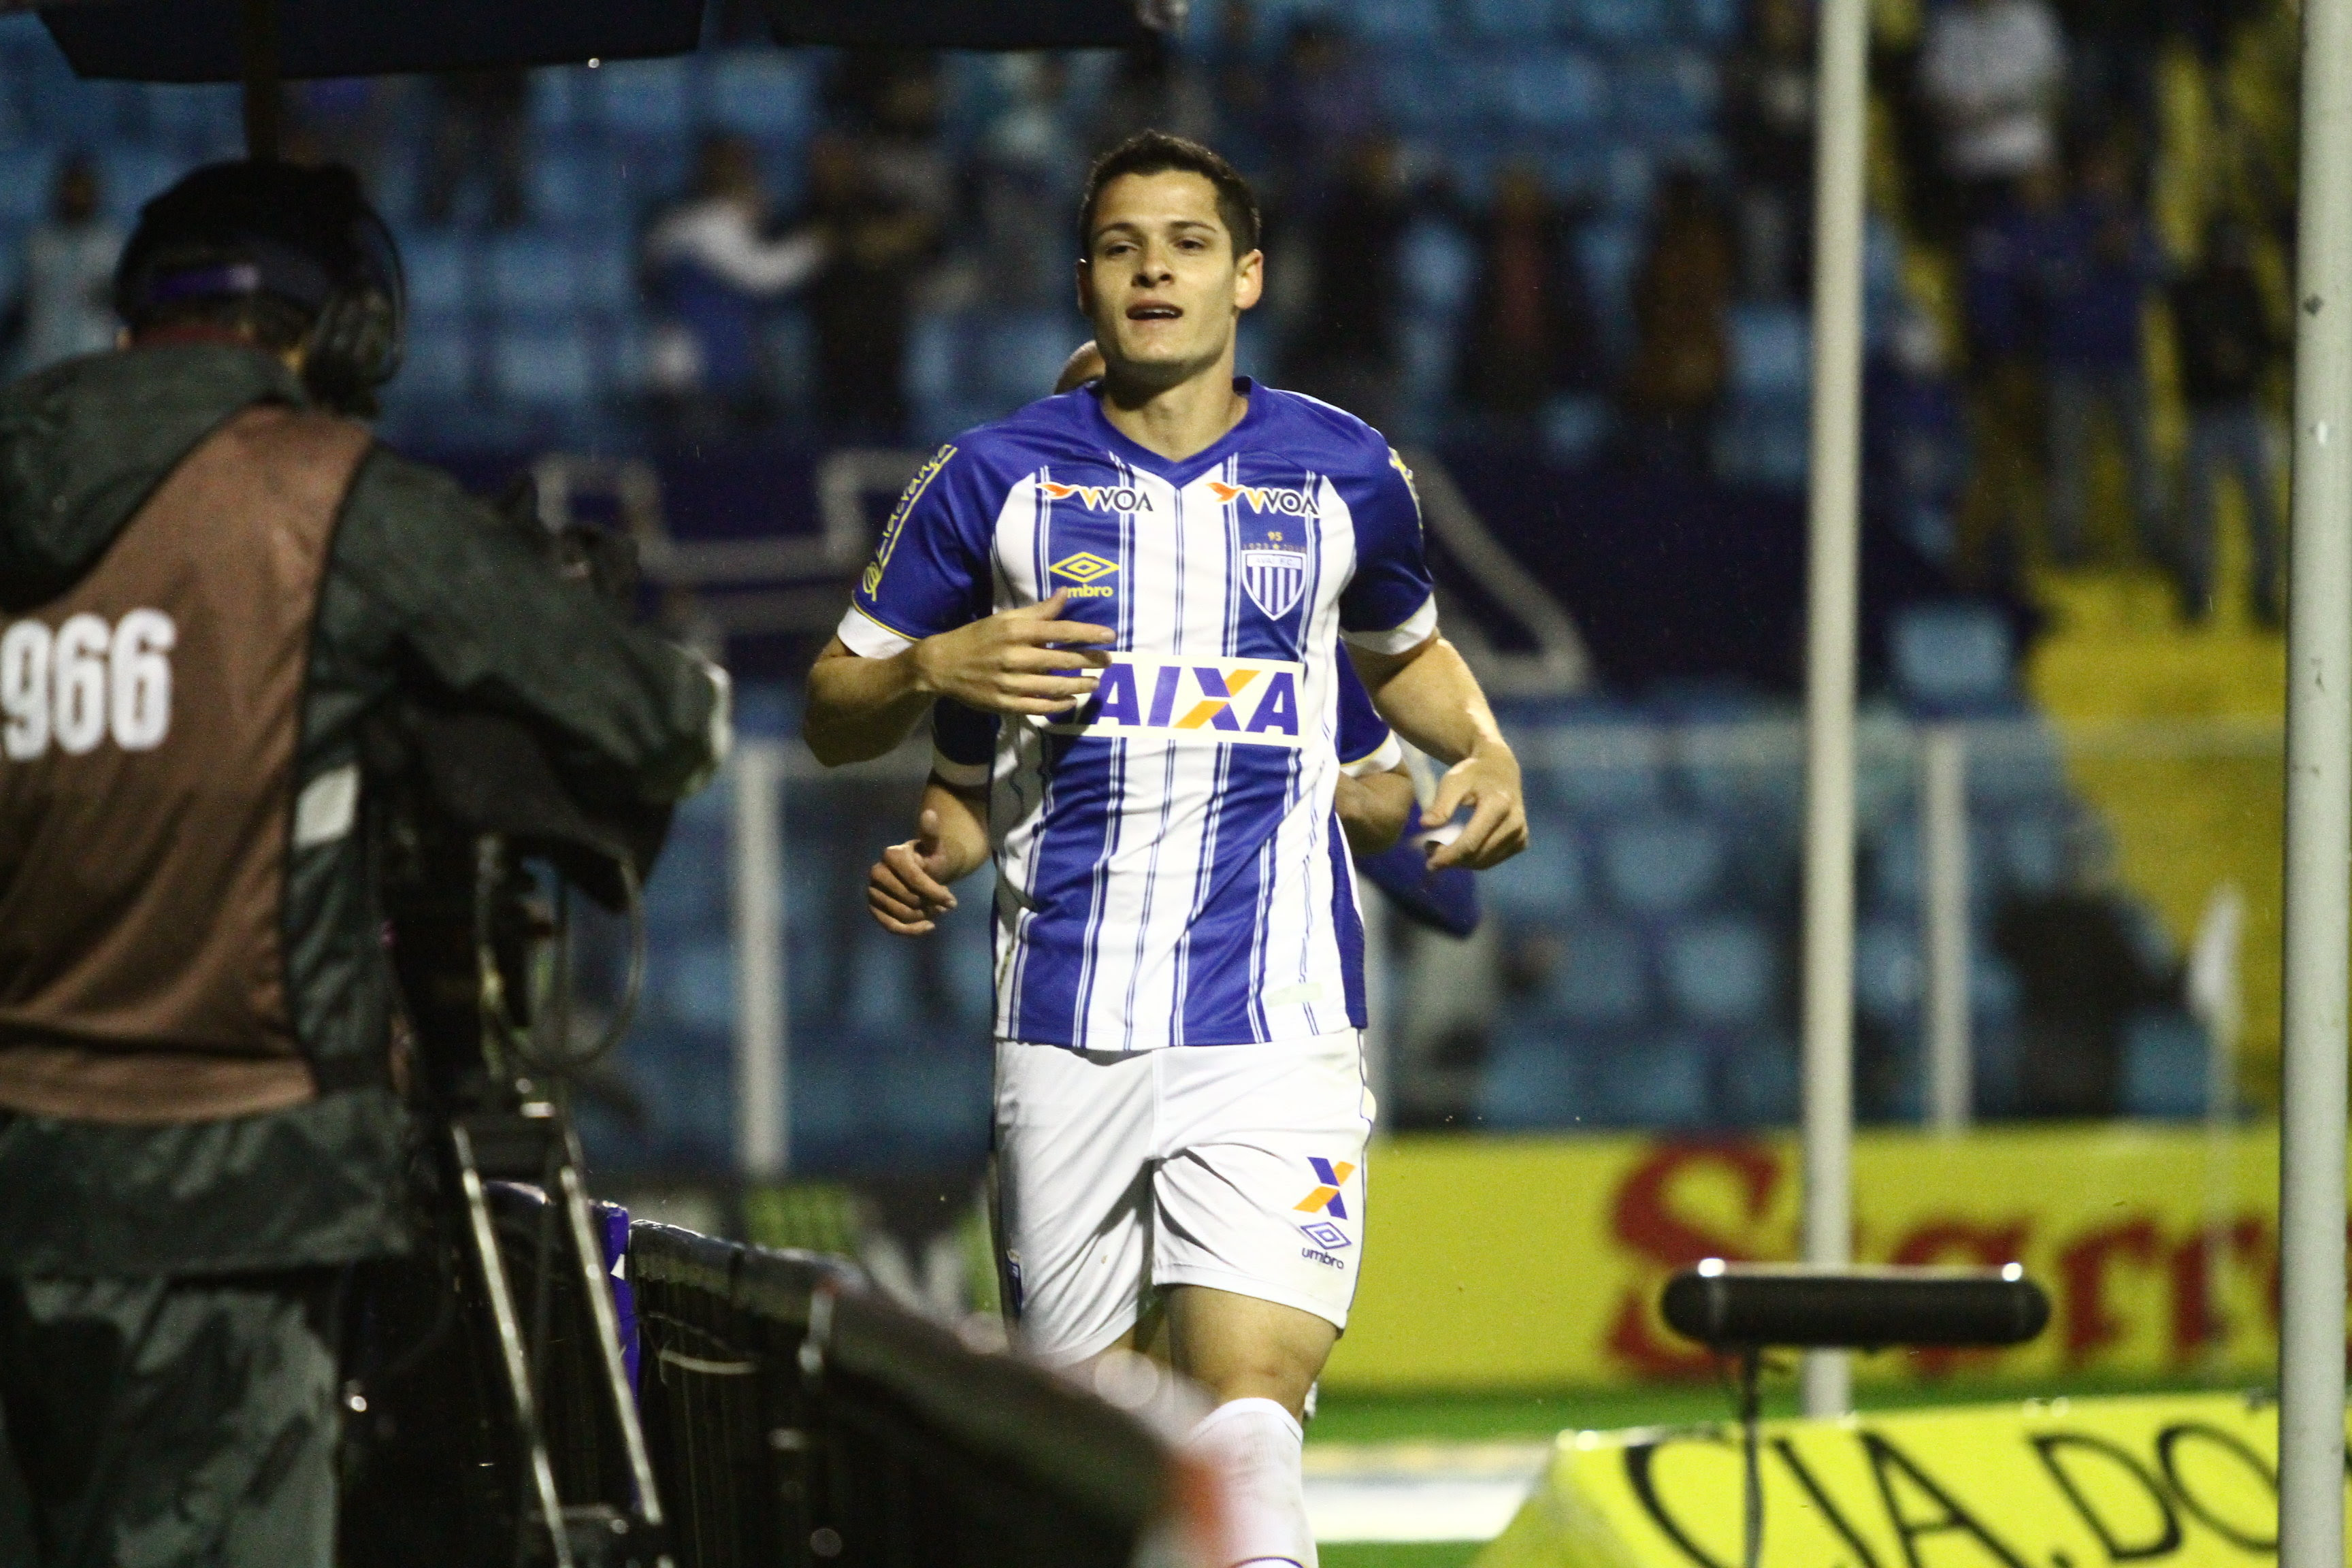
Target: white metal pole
pixel 2318 815
pixel 763 1115
pixel 1943 922
pixel 1832 591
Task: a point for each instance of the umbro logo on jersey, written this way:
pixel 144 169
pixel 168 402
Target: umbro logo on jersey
pixel 1265 498
pixel 1233 701
pixel 1099 497
pixel 1083 569
pixel 1333 1174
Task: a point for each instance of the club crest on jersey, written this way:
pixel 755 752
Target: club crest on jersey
pixel 1229 701
pixel 1082 569
pixel 1273 564
pixel 1098 498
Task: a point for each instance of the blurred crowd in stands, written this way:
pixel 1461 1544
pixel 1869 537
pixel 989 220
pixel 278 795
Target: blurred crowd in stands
pixel 1577 225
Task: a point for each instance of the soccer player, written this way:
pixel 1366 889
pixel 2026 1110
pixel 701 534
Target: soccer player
pixel 1148 581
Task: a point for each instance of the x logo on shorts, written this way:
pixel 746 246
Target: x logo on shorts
pixel 1325 1199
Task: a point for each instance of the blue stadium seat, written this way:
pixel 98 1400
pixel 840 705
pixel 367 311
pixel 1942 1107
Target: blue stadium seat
pixel 767 95
pixel 1891 854
pixel 1888 978
pixel 200 121
pixel 563 98
pixel 1024 350
pixel 1993 989
pixel 1558 90
pixel 1508 21
pixel 1622 21
pixel 1750 771
pixel 2034 853
pixel 1407 22
pixel 26 175
pixel 694 986
pixel 1668 95
pixel 569 183
pixel 651 98
pixel 533 274
pixel 1545 883
pixel 1720 970
pixel 547 365
pixel 1772 352
pixel 1536 1077
pixel 883 989
pixel 1601 977
pixel 436 363
pixel 1658 864
pixel 129 175
pixel 440 273
pixel 1713 23
pixel 1955 656
pixel 1765 444
pixel 1439 267
pixel 1653 1081
pixel 1602 766
pixel 605 275
pixel 2016 764
pixel 2165 1062
pixel 1759 1079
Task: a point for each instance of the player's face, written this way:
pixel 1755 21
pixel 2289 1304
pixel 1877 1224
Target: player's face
pixel 1160 281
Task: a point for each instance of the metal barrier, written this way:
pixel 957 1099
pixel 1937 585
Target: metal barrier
pixel 795 1417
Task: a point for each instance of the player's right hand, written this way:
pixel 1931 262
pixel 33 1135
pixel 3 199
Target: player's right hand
pixel 1009 663
pixel 903 889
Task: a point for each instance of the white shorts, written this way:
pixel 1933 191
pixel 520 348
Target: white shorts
pixel 1120 1174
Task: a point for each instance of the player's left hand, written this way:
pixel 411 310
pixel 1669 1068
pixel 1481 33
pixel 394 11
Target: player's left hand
pixel 903 889
pixel 1488 782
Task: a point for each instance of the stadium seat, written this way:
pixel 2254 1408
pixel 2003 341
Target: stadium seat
pixel 883 987
pixel 1439 266
pixel 438 361
pixel 1395 22
pixel 1557 89
pixel 200 122
pixel 1601 766
pixel 646 98
pixel 1720 970
pixel 1714 24
pixel 605 273
pixel 1667 96
pixel 769 96
pixel 542 366
pixel 439 271
pixel 694 987
pixel 1766 443
pixel 1653 1081
pixel 1662 865
pixel 2015 765
pixel 1545 883
pixel 569 185
pixel 2165 1065
pixel 531 274
pixel 1888 978
pixel 26 175
pixel 129 175
pixel 2034 853
pixel 563 98
pixel 1951 658
pixel 1602 978
pixel 1535 1078
pixel 1622 21
pixel 1506 21
pixel 1022 352
pixel 1758 1077
pixel 1772 352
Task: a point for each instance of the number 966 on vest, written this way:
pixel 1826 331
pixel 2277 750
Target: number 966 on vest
pixel 87 680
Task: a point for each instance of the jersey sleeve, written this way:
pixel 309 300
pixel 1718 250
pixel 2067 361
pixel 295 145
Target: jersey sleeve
pixel 1367 745
pixel 1389 605
pixel 963 744
pixel 930 571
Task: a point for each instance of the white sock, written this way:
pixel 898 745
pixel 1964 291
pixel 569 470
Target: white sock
pixel 1254 1447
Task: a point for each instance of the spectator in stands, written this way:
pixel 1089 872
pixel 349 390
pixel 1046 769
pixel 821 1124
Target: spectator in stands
pixel 2000 289
pixel 1345 350
pixel 67 305
pixel 1530 334
pixel 1768 110
pixel 715 274
pixel 1324 101
pixel 2227 348
pixel 2111 48
pixel 1992 71
pixel 478 121
pixel 1682 311
pixel 876 239
pixel 2097 263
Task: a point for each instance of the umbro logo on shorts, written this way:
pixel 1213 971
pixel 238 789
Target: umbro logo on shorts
pixel 1325 1199
pixel 1236 702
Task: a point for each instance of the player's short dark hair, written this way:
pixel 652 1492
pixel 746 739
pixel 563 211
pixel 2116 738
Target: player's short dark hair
pixel 1158 152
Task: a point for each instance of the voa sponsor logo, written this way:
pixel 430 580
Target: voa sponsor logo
pixel 1098 498
pixel 1265 499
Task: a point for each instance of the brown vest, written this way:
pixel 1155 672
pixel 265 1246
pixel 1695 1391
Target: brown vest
pixel 148 723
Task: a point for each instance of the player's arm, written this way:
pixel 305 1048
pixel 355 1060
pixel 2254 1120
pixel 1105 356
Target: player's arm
pixel 908 889
pixel 1374 809
pixel 1428 693
pixel 1015 661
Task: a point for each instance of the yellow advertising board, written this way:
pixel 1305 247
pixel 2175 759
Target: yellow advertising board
pixel 1500 1262
pixel 2173 1482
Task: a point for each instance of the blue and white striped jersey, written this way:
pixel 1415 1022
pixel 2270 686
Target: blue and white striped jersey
pixel 1169 870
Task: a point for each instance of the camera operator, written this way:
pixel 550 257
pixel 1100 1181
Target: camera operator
pixel 209 579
